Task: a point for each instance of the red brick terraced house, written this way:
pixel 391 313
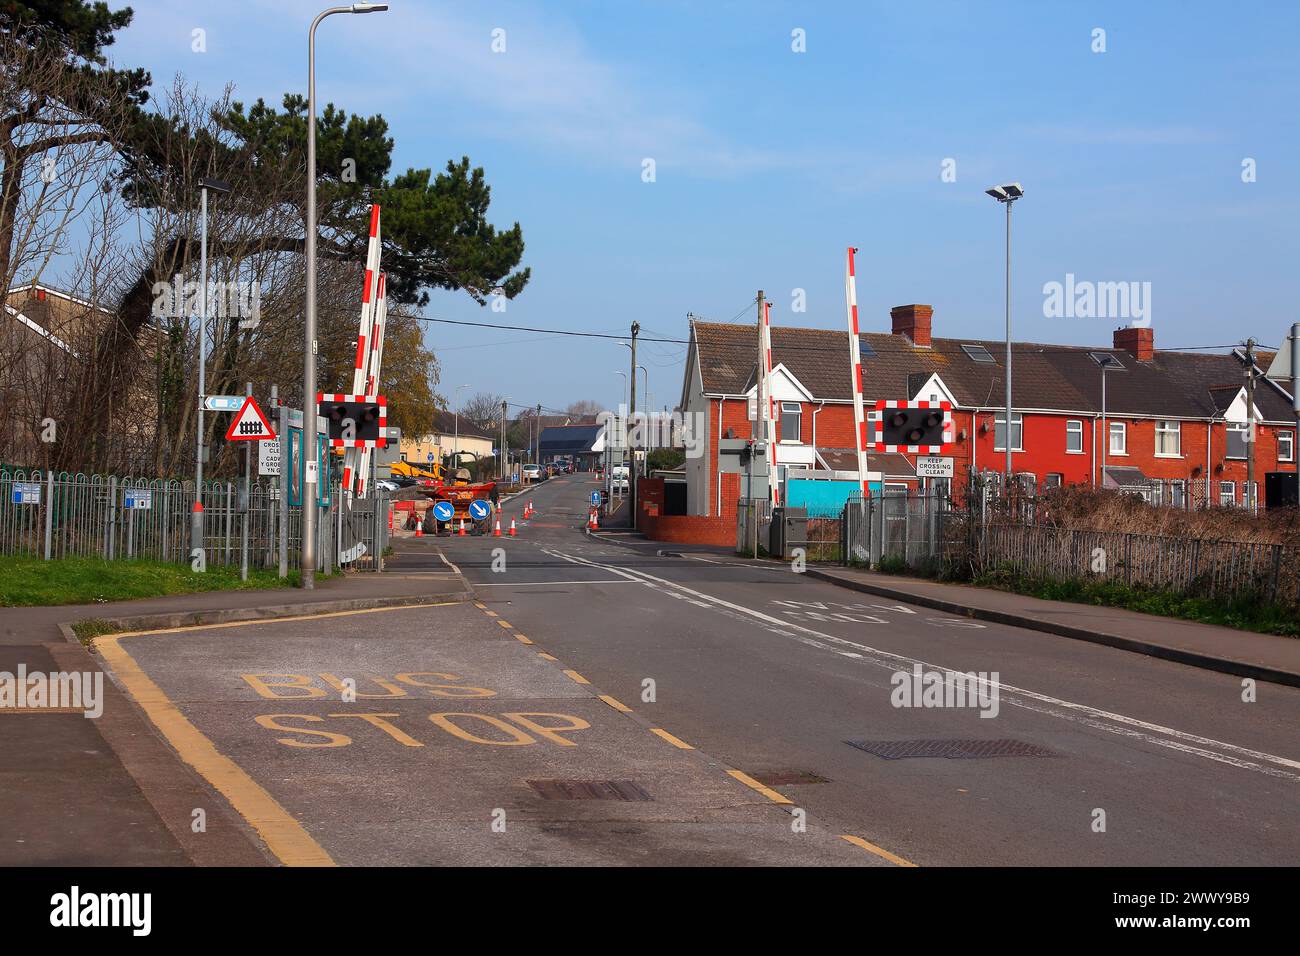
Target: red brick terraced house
pixel 1174 429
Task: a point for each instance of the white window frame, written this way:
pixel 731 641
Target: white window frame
pixel 1164 428
pixel 1242 428
pixel 1017 422
pixel 1073 427
pixel 1111 432
pixel 1287 436
pixel 1048 484
pixel 791 408
pixel 1231 487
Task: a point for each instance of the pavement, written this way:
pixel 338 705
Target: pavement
pixel 109 791
pixel 1267 657
pixel 610 701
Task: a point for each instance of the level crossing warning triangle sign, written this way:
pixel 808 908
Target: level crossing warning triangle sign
pixel 250 424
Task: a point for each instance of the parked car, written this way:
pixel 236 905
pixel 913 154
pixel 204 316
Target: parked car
pixel 532 472
pixel 387 484
pixel 618 480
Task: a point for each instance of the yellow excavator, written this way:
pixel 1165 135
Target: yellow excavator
pixel 433 471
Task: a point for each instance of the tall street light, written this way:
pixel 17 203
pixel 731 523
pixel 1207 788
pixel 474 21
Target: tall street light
pixel 623 412
pixel 455 447
pixel 309 496
pixel 196 514
pixel 1008 194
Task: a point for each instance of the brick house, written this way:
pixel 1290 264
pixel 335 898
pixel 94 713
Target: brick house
pixel 1176 421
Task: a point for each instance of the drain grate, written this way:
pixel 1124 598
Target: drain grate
pixel 589 790
pixel 952 749
pixel 787 778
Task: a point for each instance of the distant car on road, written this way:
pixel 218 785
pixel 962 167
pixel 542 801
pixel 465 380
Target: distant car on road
pixel 387 485
pixel 532 472
pixel 618 478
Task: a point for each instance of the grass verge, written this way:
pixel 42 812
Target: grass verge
pixel 1246 614
pixel 30 582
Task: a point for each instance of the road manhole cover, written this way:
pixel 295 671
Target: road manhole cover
pixel 787 778
pixel 589 790
pixel 950 748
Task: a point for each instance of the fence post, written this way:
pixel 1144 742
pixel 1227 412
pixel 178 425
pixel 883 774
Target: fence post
pixel 49 513
pixel 284 492
pixel 109 515
pixel 1128 555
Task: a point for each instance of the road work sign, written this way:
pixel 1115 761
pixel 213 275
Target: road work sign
pixel 250 424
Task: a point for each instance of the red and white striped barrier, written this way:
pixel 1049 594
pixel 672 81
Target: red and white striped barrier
pixel 855 370
pixel 369 295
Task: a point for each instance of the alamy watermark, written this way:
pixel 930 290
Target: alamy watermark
pixel 226 300
pixel 76 690
pixel 650 430
pixel 1084 299
pixel 946 689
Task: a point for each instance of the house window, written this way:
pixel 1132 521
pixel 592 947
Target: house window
pixel 1286 446
pixel 1017 432
pixel 1053 480
pixel 1227 493
pixel 1168 439
pixel 791 421
pixel 1156 493
pixel 1118 438
pixel 1238 438
pixel 1074 436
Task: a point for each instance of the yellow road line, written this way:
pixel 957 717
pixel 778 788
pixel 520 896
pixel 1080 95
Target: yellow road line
pixel 753 784
pixel 521 639
pixel 269 620
pixel 489 613
pixel 675 741
pixel 616 704
pixel 545 656
pixel 283 835
pixel 42 710
pixel 576 677
pixel 879 851
pixel 505 624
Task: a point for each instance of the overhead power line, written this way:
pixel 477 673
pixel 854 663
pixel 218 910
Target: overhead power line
pixel 1023 349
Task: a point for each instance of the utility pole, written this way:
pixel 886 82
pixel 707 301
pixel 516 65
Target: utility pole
pixel 1251 494
pixel 504 458
pixel 537 425
pixel 1295 391
pixel 631 414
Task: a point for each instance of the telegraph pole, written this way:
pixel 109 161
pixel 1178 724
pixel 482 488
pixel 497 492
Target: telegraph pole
pixel 537 424
pixel 1251 493
pixel 502 460
pixel 631 414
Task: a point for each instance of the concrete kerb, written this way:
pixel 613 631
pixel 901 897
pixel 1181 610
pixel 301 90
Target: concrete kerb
pixel 1135 645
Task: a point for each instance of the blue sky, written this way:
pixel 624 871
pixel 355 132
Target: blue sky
pixel 770 162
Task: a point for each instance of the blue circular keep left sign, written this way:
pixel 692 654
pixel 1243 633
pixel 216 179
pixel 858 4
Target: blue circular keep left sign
pixel 443 511
pixel 478 509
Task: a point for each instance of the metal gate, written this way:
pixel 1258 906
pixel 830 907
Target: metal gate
pixel 362 531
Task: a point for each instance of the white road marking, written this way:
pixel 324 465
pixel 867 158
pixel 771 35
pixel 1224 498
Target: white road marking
pixel 1183 741
pixel 523 584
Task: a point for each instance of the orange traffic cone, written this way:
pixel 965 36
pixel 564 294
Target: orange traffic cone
pixel 595 522
pixel 512 527
pixel 531 509
pixel 419 529
pixel 461 533
pixel 496 532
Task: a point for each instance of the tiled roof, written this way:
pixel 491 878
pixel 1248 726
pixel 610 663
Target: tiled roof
pixel 444 423
pixel 1055 377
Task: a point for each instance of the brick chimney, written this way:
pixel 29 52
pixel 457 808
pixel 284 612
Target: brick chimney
pixel 1138 342
pixel 913 321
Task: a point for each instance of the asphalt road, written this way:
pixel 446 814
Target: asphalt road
pixel 1103 757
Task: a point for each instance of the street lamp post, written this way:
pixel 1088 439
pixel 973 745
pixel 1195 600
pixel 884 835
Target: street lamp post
pixel 455 447
pixel 309 496
pixel 196 514
pixel 1008 194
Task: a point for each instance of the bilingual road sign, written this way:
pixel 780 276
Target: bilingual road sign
pixel 443 511
pixel 268 458
pixel 250 424
pixel 223 403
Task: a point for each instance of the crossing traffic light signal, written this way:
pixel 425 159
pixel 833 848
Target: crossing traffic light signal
pixel 912 426
pixel 355 421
